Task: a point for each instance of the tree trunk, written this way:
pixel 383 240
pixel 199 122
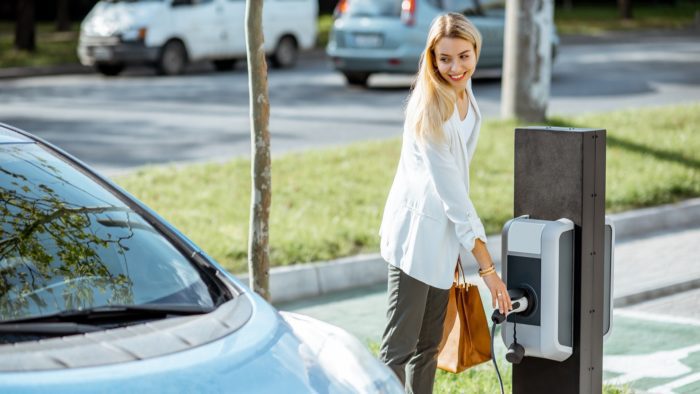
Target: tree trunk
pixel 62 16
pixel 568 5
pixel 25 36
pixel 625 9
pixel 261 193
pixel 527 59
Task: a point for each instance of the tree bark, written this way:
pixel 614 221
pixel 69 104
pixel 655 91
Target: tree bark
pixel 527 59
pixel 62 16
pixel 568 5
pixel 261 193
pixel 625 9
pixel 25 35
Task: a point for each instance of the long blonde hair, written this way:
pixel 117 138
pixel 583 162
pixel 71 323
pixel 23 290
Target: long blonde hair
pixel 432 100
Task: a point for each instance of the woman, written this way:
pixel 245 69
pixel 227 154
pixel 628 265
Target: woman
pixel 429 219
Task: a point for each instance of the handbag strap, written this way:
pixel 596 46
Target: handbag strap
pixel 460 271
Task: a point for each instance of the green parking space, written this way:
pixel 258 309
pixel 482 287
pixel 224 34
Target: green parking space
pixel 653 353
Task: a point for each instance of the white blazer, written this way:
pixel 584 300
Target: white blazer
pixel 428 218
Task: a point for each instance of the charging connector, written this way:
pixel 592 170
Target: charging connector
pixel 519 301
pixel 521 304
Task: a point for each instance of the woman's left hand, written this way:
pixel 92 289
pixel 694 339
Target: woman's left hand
pixel 499 293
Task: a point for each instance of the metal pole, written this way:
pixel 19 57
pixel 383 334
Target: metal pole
pixel 560 173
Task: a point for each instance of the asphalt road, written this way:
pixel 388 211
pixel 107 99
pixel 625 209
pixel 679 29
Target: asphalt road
pixel 116 124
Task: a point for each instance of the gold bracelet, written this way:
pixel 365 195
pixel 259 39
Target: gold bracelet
pixel 487 271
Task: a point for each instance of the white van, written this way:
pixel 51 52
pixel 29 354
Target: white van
pixel 170 33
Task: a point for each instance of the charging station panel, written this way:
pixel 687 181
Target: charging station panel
pixel 608 277
pixel 538 258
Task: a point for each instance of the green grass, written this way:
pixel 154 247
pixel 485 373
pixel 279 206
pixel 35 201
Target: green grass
pixel 328 203
pixel 51 47
pixel 325 22
pixel 595 19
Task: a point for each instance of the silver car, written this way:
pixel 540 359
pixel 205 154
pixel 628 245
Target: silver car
pixel 388 36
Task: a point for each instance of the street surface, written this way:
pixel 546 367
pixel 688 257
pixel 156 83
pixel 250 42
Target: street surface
pixel 120 123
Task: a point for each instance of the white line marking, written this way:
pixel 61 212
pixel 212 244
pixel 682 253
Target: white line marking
pixel 656 317
pixel 668 387
pixel 664 364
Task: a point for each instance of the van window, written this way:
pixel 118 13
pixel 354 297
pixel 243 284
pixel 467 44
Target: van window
pixel 374 8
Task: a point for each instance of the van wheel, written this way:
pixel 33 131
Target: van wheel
pixel 224 65
pixel 286 53
pixel 357 78
pixel 173 58
pixel 109 70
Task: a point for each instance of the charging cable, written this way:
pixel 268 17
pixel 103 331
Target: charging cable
pixel 515 352
pixel 493 356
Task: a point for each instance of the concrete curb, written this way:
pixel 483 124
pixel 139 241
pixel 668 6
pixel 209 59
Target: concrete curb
pixel 296 282
pixel 76 68
pixel 63 69
pixel 657 292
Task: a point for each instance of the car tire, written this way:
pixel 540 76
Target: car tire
pixel 286 53
pixel 109 70
pixel 356 78
pixel 172 59
pixel 225 64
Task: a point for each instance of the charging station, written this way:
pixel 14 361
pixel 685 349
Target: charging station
pixel 538 261
pixel 538 257
pixel 554 263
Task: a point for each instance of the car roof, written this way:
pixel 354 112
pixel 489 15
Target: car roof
pixel 11 136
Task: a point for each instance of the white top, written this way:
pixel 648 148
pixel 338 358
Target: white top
pixel 429 218
pixel 466 126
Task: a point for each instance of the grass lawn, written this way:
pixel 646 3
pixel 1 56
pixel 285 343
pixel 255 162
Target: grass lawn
pixel 595 19
pixel 51 47
pixel 328 203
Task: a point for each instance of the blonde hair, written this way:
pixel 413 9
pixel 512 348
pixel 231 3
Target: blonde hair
pixel 432 99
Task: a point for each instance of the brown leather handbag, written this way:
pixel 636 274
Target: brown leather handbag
pixel 466 341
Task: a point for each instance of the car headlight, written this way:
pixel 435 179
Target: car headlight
pixel 343 357
pixel 134 34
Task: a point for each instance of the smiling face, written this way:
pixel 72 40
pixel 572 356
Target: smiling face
pixel 455 60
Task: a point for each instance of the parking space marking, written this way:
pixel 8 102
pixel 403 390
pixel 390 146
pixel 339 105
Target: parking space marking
pixel 668 388
pixel 640 366
pixel 655 317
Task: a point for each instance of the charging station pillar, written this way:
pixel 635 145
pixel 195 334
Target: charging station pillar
pixel 560 173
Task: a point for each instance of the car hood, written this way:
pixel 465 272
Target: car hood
pixel 107 19
pixel 266 355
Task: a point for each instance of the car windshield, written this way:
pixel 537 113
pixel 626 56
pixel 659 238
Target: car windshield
pixel 67 243
pixel 374 7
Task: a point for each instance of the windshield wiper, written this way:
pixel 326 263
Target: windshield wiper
pixel 116 313
pixel 48 328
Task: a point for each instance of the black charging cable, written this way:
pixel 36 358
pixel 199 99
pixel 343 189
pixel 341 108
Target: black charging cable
pixel 515 352
pixel 493 356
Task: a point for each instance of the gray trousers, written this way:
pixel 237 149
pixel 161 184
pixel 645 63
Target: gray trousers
pixel 413 332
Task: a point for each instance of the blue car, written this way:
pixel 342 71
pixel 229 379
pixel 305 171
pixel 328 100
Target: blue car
pixel 388 36
pixel 98 294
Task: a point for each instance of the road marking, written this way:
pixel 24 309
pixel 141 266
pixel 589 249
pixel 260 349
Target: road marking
pixel 656 317
pixel 665 364
pixel 668 388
